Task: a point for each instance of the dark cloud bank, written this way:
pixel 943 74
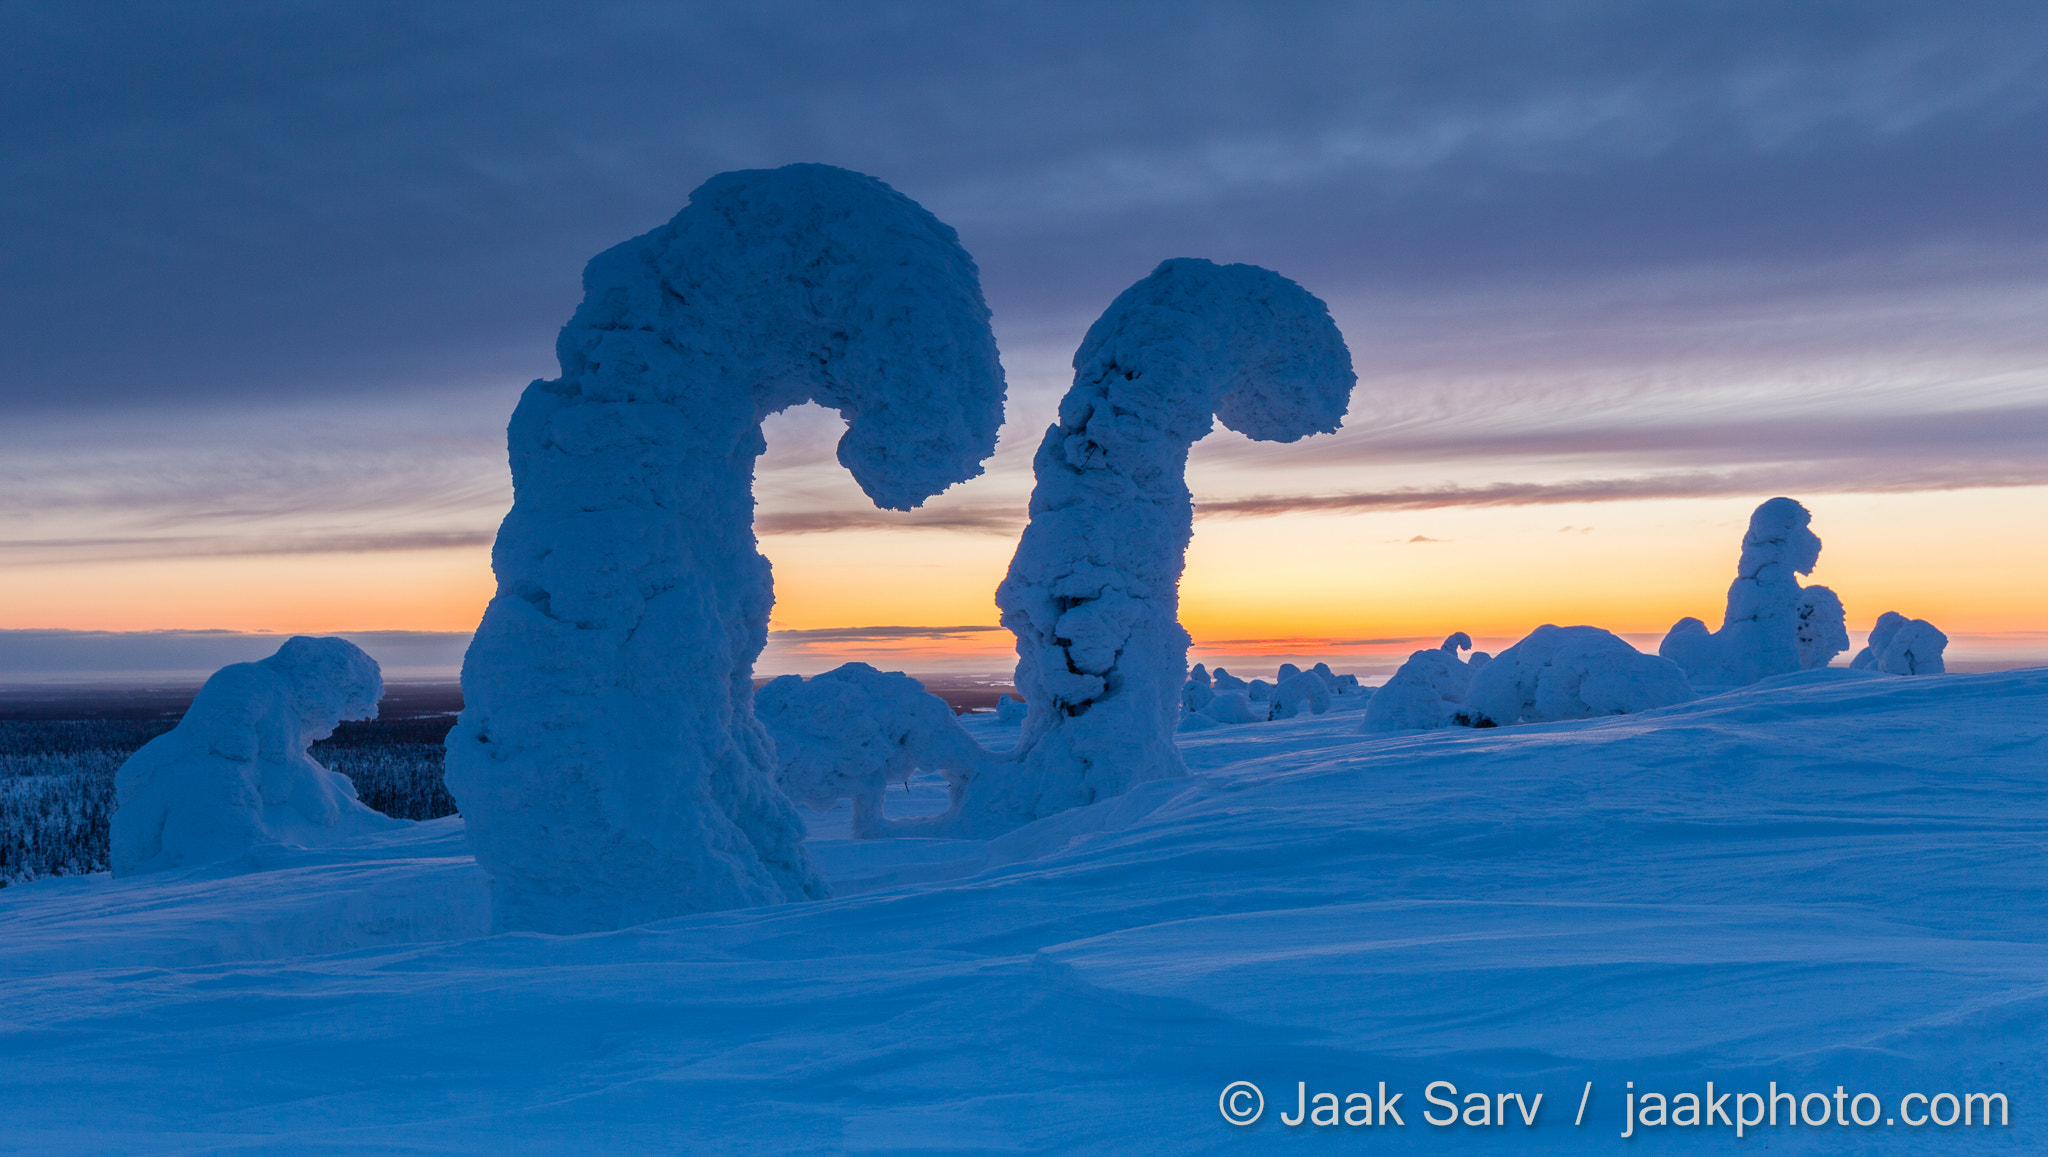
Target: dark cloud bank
pixel 259 201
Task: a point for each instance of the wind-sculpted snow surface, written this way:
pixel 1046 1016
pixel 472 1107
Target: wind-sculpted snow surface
pixel 234 774
pixel 1562 673
pixel 1827 879
pixel 1902 646
pixel 607 760
pixel 852 731
pixel 1093 591
pixel 1772 625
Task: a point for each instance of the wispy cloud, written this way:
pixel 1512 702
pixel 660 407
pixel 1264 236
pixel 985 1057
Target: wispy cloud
pixel 1876 478
pixel 877 634
pixel 68 550
pixel 829 521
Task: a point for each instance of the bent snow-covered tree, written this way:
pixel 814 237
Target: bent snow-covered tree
pixel 234 774
pixel 1772 626
pixel 607 760
pixel 1093 592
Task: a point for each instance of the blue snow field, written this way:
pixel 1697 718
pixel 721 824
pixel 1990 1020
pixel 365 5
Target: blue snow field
pixel 1829 880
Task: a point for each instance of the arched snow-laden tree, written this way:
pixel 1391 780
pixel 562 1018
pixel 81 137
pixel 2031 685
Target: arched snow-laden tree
pixel 1093 593
pixel 607 760
pixel 1772 626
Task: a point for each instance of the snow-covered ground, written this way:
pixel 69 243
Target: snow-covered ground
pixel 1830 879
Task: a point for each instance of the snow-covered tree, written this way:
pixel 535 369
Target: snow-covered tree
pixel 1902 646
pixel 1093 591
pixel 1571 673
pixel 852 731
pixel 1427 691
pixel 607 760
pixel 1772 626
pixel 234 773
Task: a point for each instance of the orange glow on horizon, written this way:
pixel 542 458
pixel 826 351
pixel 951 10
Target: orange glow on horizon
pixel 1370 582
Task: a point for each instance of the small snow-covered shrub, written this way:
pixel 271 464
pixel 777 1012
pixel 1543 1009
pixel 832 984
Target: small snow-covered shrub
pixel 1571 673
pixel 1299 692
pixel 1902 646
pixel 1223 680
pixel 1009 709
pixel 1234 707
pixel 850 732
pixel 1915 650
pixel 1427 692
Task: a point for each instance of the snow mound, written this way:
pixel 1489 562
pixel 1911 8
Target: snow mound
pixel 607 758
pixel 234 774
pixel 849 733
pixel 1223 680
pixel 1093 591
pixel 1562 673
pixel 1772 626
pixel 1902 646
pixel 1009 709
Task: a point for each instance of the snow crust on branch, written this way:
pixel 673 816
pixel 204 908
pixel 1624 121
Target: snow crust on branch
pixel 852 731
pixel 1559 673
pixel 607 760
pixel 234 774
pixel 1092 593
pixel 1772 626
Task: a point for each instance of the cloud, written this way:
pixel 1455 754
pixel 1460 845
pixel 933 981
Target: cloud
pixel 327 200
pixel 71 550
pixel 876 634
pixel 831 521
pixel 1879 479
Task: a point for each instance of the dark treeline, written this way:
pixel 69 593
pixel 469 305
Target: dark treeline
pixel 57 781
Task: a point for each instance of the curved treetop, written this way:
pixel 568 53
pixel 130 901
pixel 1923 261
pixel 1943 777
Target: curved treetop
pixel 804 283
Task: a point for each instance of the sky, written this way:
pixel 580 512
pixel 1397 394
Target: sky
pixel 273 277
